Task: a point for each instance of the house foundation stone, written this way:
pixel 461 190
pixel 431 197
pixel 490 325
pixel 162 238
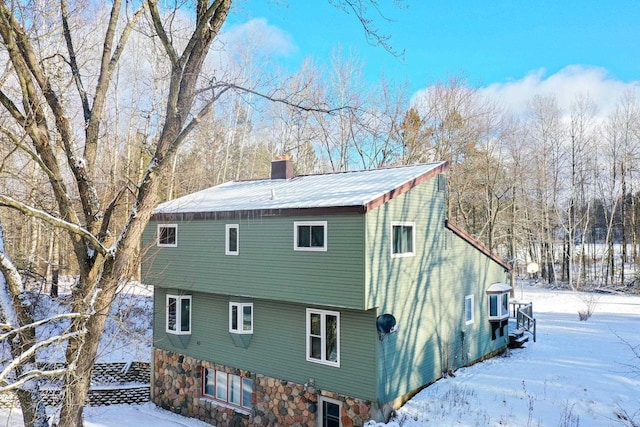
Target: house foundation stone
pixel 177 387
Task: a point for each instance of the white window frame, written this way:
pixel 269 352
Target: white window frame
pixel 413 239
pixel 323 336
pixel 321 414
pixel 502 309
pixel 469 315
pixel 442 183
pixel 229 379
pixel 297 224
pixel 178 320
pixel 167 245
pixel 227 249
pixel 240 306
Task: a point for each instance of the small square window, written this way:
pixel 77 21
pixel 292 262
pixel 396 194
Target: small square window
pixel 178 310
pixel 468 309
pixel 310 235
pixel 240 318
pixel 232 239
pixel 168 235
pixel 403 239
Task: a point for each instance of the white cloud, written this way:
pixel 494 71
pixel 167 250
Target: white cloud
pixel 259 36
pixel 567 84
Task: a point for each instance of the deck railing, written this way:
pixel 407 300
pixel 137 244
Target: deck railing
pixel 523 313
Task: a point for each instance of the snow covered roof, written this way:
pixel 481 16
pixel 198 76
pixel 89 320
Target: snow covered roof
pixel 366 189
pixel 498 288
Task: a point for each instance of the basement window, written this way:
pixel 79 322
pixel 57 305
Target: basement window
pixel 228 388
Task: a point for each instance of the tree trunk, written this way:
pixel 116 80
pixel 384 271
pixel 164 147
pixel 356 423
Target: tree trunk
pixel 33 408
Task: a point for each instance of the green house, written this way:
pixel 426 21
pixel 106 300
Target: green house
pixel 316 300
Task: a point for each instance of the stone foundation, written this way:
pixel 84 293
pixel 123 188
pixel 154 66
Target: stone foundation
pixel 177 386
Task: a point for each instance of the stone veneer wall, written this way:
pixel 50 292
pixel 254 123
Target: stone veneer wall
pixel 177 383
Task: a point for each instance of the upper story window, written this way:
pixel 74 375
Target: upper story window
pixel 241 317
pixel 403 239
pixel 228 388
pixel 310 235
pixel 178 311
pixel 469 309
pixel 442 182
pixel 232 239
pixel 168 235
pixel 323 336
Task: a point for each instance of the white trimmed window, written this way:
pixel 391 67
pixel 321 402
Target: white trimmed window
pixel 168 235
pixel 323 336
pixel 232 239
pixel 442 183
pixel 310 235
pixel 469 309
pixel 403 239
pixel 228 388
pixel 241 317
pixel 329 412
pixel 178 311
pixel 498 306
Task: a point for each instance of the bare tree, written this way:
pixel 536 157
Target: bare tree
pixel 41 116
pixel 56 90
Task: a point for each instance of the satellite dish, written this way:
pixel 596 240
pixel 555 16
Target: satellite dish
pixel 386 323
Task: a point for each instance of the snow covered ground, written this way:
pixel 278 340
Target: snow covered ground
pixel 576 374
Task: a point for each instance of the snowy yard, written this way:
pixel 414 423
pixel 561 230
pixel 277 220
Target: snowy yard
pixel 576 374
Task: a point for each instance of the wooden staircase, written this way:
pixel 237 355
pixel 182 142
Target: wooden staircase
pixel 522 324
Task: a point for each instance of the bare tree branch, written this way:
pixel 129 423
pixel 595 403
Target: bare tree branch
pixel 29 353
pixel 273 98
pixel 12 330
pixel 55 221
pixel 31 375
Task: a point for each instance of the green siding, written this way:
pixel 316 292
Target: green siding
pixel 356 275
pixel 267 266
pixel 277 346
pixel 426 294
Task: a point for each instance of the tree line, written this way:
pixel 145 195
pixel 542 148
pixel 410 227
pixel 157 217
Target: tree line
pixel 553 186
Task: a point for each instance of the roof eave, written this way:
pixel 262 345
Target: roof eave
pixel 386 197
pixel 258 213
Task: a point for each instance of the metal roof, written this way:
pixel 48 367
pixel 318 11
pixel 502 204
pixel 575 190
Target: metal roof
pixel 342 189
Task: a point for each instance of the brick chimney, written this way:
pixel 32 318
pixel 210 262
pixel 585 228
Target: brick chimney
pixel 281 167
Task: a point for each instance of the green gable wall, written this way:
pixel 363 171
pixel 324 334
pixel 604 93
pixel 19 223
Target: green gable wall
pixel 277 346
pixel 426 294
pixel 267 266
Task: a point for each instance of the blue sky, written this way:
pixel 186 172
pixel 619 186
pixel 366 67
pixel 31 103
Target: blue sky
pixel 491 43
